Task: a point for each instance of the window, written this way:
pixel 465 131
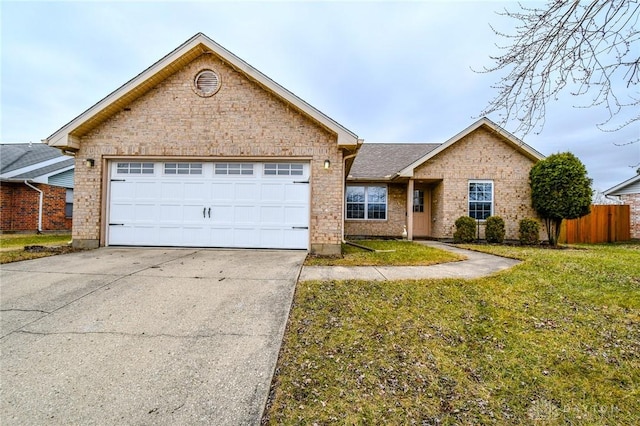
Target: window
pixel 234 169
pixel 68 203
pixel 480 199
pixel 418 201
pixel 135 168
pixel 367 202
pixel 283 169
pixel 183 168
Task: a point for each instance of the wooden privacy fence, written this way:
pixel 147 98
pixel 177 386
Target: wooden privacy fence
pixel 605 224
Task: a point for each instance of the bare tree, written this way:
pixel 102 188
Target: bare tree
pixel 589 48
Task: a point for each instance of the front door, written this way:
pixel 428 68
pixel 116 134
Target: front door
pixel 421 212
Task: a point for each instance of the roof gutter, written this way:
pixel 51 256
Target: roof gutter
pixel 40 199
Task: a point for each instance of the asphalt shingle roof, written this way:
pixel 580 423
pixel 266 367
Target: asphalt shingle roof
pixel 18 155
pixel 378 161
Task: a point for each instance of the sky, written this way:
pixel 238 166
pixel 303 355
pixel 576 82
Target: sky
pixel 389 71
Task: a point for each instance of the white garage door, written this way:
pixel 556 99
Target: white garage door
pixel 199 204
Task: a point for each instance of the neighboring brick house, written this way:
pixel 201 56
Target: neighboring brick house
pixel 481 171
pixel 201 149
pixel 36 188
pixel 628 192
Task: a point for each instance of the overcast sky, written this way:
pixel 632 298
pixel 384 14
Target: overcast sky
pixel 388 71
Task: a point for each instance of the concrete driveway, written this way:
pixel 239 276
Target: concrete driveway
pixel 143 336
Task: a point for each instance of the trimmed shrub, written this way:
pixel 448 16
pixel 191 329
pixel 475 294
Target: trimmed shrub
pixel 465 230
pixel 494 231
pixel 529 232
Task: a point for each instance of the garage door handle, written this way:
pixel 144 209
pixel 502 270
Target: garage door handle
pixel 299 227
pixel 204 212
pixel 209 212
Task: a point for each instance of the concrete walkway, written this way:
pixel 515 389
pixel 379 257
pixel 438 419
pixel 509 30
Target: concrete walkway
pixel 476 265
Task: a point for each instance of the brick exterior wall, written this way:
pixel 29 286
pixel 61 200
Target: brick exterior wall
pixel 480 155
pixel 633 200
pixel 19 208
pixel 242 120
pixel 396 216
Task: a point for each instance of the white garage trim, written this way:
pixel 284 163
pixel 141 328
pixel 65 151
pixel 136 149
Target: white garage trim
pixel 209 204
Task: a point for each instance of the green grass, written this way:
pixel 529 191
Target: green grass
pixel 12 245
pixel 554 340
pixel 401 253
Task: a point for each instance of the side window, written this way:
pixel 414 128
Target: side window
pixel 68 205
pixel 480 199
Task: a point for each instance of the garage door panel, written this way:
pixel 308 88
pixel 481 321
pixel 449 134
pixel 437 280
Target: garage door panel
pixel 221 237
pixel 120 212
pixel 245 215
pixel 171 191
pixel 193 191
pixel 146 190
pixel 271 215
pixel 246 192
pixel 212 209
pixel 245 237
pixel 297 193
pixel 272 192
pixel 145 213
pixel 222 191
pixel 296 215
pixel 145 235
pixel 295 238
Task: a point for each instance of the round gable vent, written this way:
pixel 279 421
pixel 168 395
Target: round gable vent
pixel 206 83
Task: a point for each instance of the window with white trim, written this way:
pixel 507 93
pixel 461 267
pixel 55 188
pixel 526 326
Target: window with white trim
pixel 68 203
pixel 233 169
pixel 283 169
pixel 182 168
pixel 480 199
pixel 134 168
pixel 366 202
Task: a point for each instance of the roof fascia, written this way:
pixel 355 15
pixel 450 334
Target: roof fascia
pixel 519 144
pixel 63 138
pixel 622 185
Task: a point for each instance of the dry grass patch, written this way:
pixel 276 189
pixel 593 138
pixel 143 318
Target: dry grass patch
pixel 393 253
pixel 554 340
pixel 12 246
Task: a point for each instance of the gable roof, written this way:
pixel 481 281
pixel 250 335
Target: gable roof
pixel 387 161
pixel 382 161
pixel 36 162
pixel 68 136
pixel 483 122
pixel 629 186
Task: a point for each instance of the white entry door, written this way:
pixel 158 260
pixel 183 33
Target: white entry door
pixel 199 204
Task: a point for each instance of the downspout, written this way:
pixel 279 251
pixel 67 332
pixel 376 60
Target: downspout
pixel 344 184
pixel 26 182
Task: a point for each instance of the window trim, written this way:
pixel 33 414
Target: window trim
pixel 366 203
pixel 492 202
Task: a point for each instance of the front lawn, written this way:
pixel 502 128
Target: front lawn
pixel 12 246
pixel 554 340
pixel 393 252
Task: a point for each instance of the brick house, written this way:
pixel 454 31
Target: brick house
pixel 481 171
pixel 36 188
pixel 201 149
pixel 628 192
